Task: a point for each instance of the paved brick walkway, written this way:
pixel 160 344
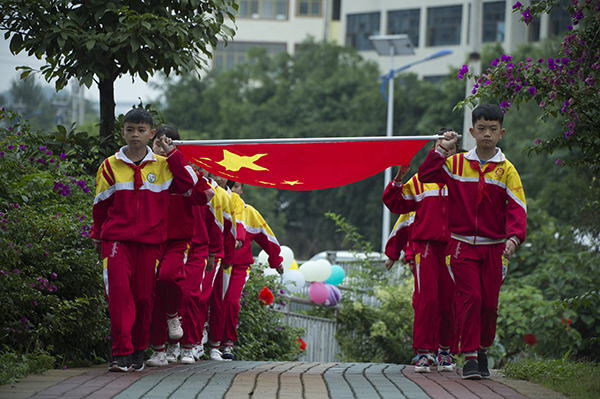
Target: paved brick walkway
pixel 265 380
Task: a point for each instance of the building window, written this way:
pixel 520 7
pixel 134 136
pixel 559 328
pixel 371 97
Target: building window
pixel 309 8
pixel 360 27
pixel 263 9
pixel 444 25
pixel 405 22
pixel 493 21
pixel 237 53
pixel 336 10
pixel 560 19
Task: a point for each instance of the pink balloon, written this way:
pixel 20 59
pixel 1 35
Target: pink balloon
pixel 318 292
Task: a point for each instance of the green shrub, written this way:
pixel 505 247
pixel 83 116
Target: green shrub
pixel 523 311
pixel 14 366
pixel 51 289
pixel 380 334
pixel 262 333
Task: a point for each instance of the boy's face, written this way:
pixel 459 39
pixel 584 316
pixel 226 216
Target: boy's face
pixel 137 135
pixel 157 148
pixel 237 188
pixel 487 133
pixel 221 181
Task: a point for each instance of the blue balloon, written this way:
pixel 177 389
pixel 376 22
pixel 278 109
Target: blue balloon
pixel 337 275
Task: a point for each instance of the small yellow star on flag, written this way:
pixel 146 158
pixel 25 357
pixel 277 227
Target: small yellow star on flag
pixel 234 162
pixel 292 183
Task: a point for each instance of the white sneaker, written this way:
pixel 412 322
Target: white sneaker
pixel 215 354
pixel 198 351
pixel 158 359
pixel 175 330
pixel 172 353
pixel 187 356
pixel 228 353
pixel 205 334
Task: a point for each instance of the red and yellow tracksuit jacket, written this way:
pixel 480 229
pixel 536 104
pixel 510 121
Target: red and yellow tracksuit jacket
pixel 486 206
pixel 132 200
pixel 257 230
pixel 399 238
pixel 428 200
pixel 221 208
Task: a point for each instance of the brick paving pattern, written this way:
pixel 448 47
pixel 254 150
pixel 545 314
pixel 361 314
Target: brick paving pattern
pixel 271 380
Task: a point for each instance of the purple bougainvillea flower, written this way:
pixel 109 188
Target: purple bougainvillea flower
pixel 517 5
pixel 538 141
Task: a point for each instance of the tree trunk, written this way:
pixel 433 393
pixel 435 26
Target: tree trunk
pixel 107 106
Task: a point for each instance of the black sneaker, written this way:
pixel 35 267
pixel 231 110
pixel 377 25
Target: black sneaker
pixel 471 370
pixel 137 360
pixel 120 363
pixel 228 353
pixel 484 371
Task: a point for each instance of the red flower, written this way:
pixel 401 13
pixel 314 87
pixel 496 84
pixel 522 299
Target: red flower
pixel 530 339
pixel 302 344
pixel 568 321
pixel 266 296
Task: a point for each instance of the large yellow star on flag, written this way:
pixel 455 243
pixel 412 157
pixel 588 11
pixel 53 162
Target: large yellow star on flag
pixel 234 162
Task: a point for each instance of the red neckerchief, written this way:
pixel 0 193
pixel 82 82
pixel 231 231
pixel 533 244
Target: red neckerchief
pixel 481 186
pixel 137 174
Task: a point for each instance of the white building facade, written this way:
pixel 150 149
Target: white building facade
pixel 432 25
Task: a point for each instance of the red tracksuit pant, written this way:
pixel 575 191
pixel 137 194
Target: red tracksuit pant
pixel 129 283
pixel 196 293
pixel 217 304
pixel 477 272
pixel 239 277
pixel 170 278
pixel 433 298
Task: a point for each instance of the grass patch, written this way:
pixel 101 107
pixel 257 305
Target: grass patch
pixel 574 379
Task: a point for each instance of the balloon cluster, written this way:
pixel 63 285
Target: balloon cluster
pixel 321 274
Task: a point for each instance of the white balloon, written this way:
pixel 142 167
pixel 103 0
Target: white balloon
pixel 324 269
pixel 263 258
pixel 267 271
pixel 288 256
pixel 293 280
pixel 310 270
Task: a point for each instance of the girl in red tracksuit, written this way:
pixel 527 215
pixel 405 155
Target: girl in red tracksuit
pixel 130 223
pixel 171 274
pixel 433 298
pixel 488 221
pixel 259 231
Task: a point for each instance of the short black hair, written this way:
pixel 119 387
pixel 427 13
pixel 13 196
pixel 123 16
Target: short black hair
pixel 139 115
pixel 489 112
pixel 230 183
pixel 167 130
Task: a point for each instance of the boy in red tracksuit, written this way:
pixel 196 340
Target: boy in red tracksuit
pixel 130 222
pixel 171 273
pixel 433 298
pixel 224 217
pixel 257 230
pixel 488 221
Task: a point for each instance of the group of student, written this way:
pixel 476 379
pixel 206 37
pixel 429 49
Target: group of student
pixel 461 218
pixel 175 244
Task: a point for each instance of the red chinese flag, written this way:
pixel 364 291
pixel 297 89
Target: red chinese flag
pixel 302 166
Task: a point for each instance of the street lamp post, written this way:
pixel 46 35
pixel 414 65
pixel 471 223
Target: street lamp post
pixel 393 45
